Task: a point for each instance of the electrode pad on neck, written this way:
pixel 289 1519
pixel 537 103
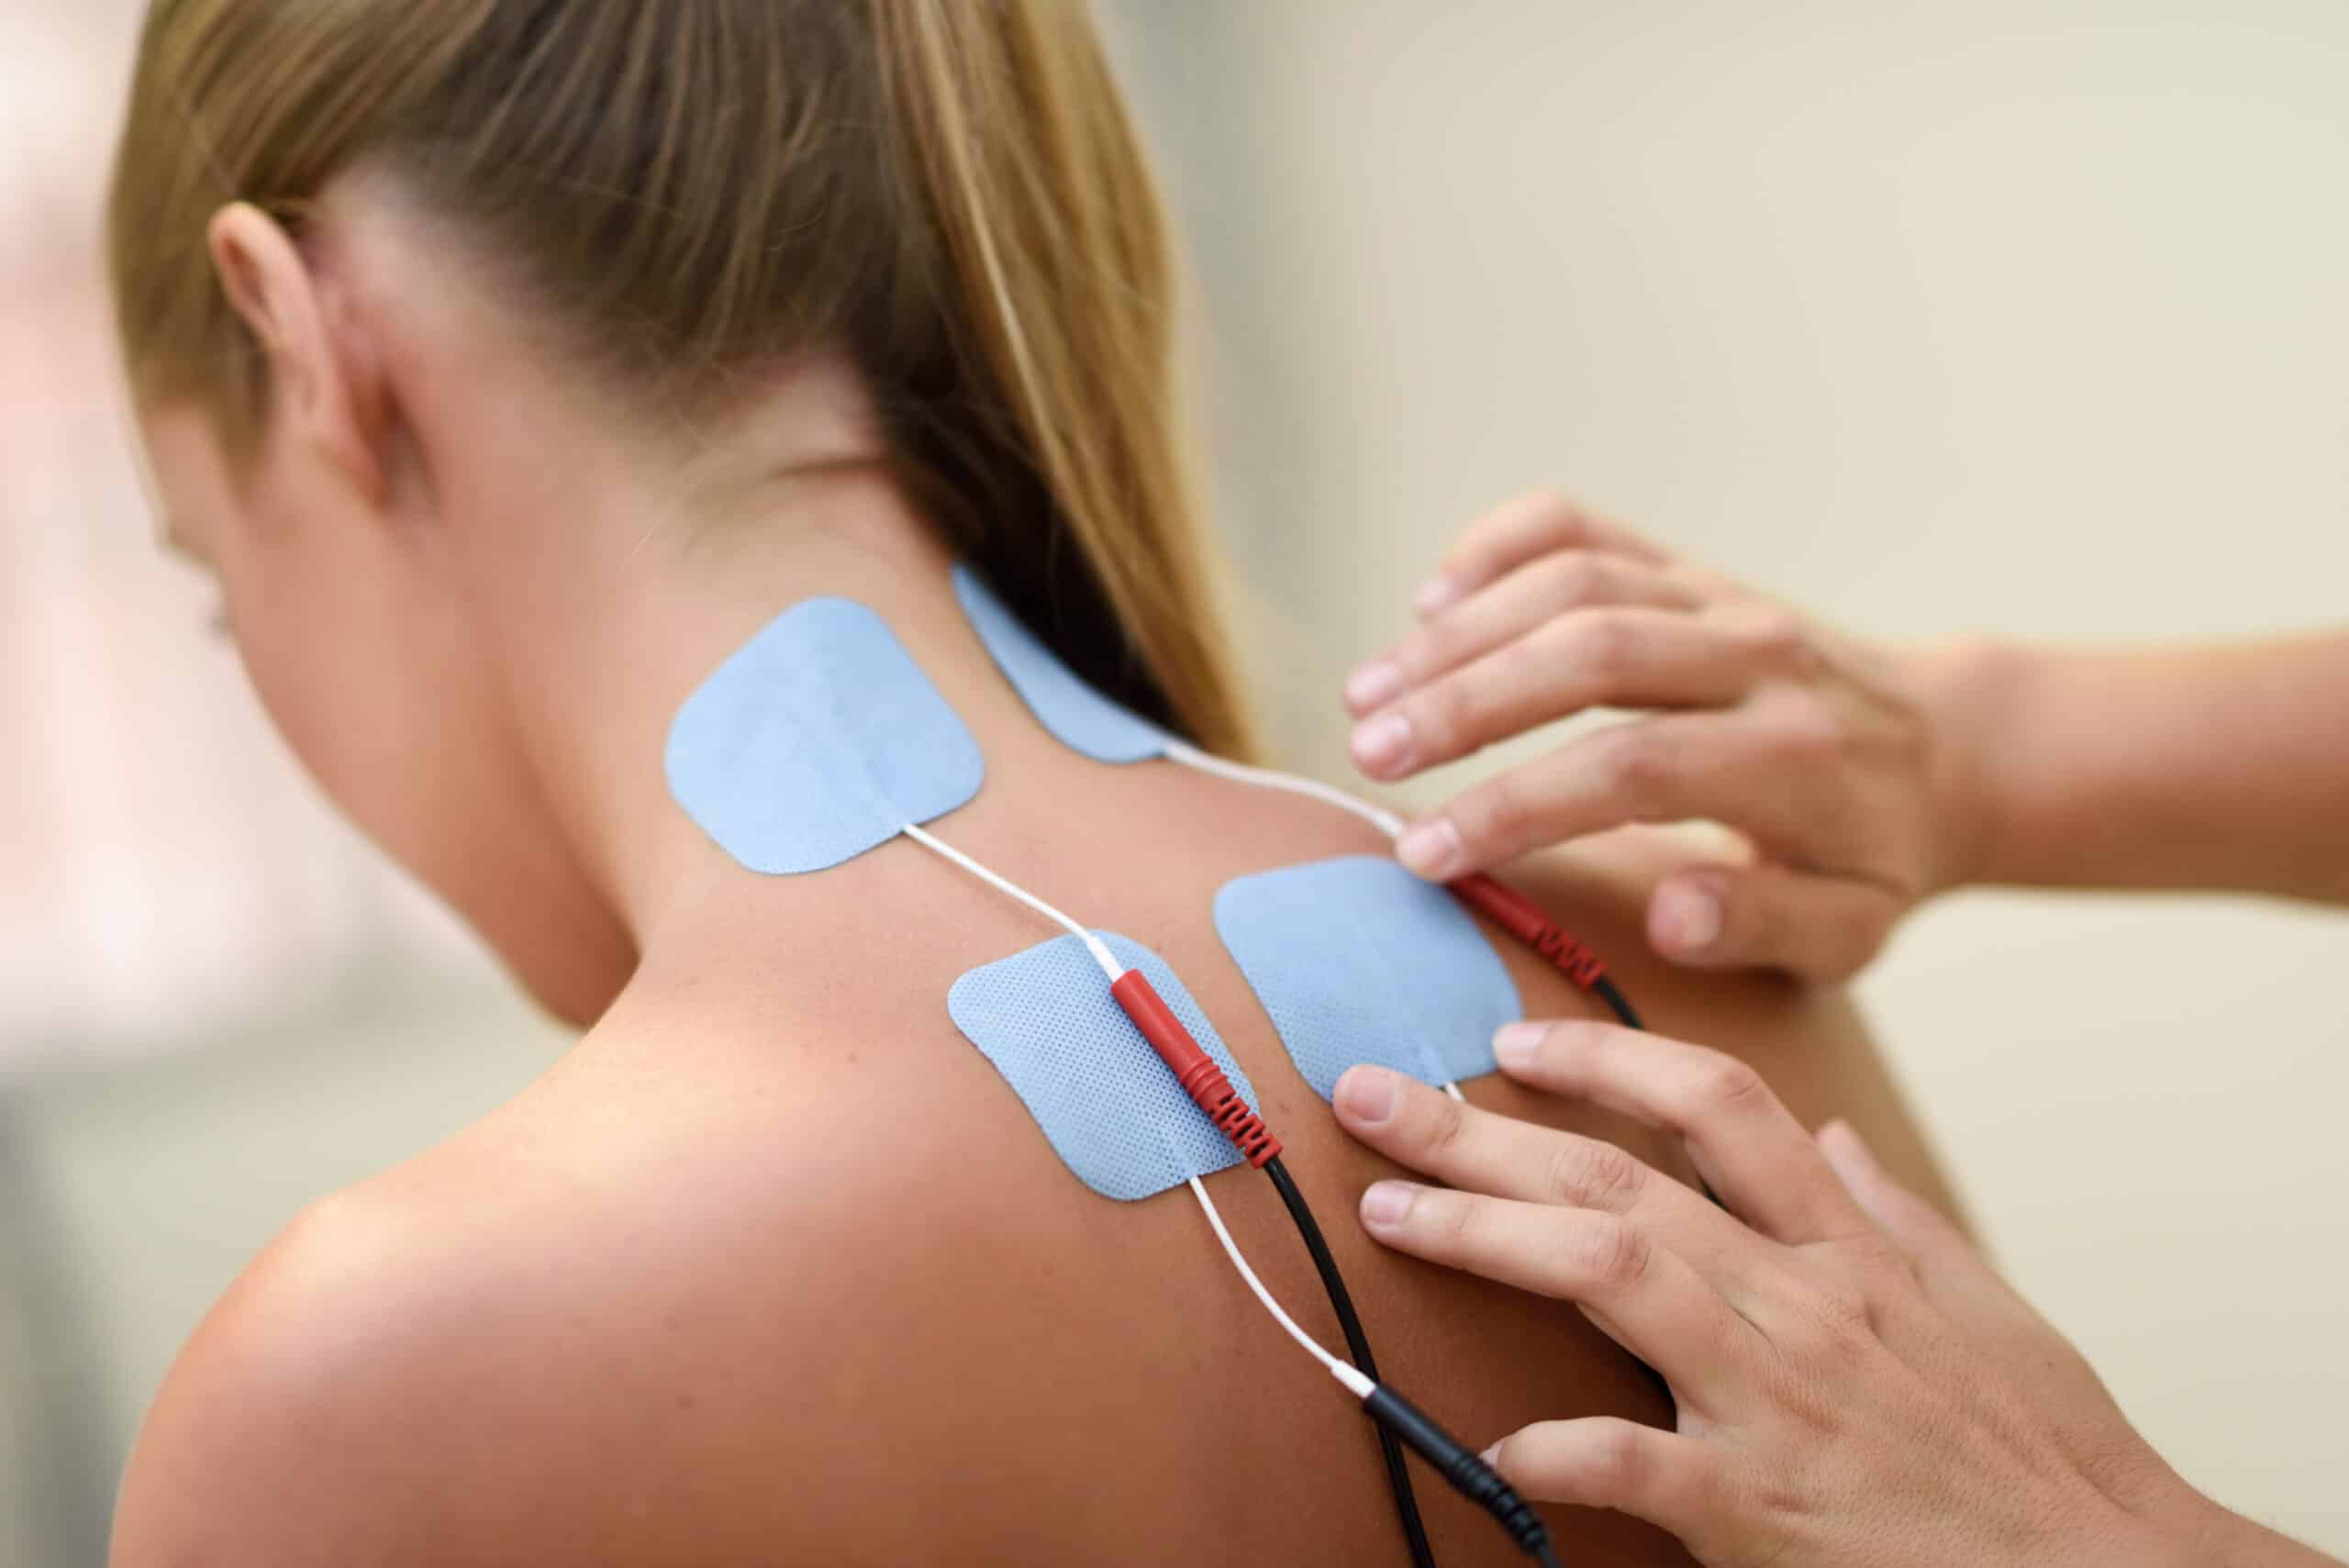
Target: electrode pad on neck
pixel 1356 960
pixel 1101 1097
pixel 1078 716
pixel 818 740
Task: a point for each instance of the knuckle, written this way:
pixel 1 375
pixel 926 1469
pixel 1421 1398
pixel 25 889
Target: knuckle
pixel 1441 1125
pixel 1593 1175
pixel 1555 507
pixel 1453 1222
pixel 1631 761
pixel 1499 812
pixel 1436 714
pixel 1778 637
pixel 1809 734
pixel 1617 1462
pixel 1608 1252
pixel 1602 647
pixel 1727 1087
pixel 1576 578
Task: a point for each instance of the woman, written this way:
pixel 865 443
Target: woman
pixel 511 364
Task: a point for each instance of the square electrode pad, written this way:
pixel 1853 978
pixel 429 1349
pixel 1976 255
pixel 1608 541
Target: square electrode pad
pixel 818 740
pixel 1356 960
pixel 1078 716
pixel 1105 1103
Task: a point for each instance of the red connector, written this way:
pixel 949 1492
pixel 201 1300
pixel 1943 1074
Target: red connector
pixel 1194 1069
pixel 1523 920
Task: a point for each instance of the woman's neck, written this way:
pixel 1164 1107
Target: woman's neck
pixel 601 687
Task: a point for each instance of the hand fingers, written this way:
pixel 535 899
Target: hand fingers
pixel 1475 1149
pixel 1768 916
pixel 1750 1148
pixel 1678 1484
pixel 1627 657
pixel 1514 534
pixel 1674 768
pixel 1503 611
pixel 1948 1264
pixel 1640 1292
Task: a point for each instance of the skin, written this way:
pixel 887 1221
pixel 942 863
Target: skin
pixel 1864 777
pixel 772 1265
pixel 1853 1384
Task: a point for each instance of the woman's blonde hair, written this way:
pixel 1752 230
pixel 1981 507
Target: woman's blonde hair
pixel 691 190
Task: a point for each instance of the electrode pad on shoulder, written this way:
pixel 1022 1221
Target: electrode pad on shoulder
pixel 818 740
pixel 1104 1100
pixel 1356 960
pixel 1078 716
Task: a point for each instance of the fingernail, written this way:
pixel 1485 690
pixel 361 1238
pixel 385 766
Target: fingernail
pixel 1372 684
pixel 1492 1456
pixel 1439 592
pixel 1514 1044
pixel 1430 849
pixel 1366 1095
pixel 1382 744
pixel 1687 919
pixel 1387 1203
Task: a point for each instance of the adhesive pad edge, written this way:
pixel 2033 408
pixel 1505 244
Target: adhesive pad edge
pixel 817 740
pixel 1078 716
pixel 1100 1095
pixel 1356 960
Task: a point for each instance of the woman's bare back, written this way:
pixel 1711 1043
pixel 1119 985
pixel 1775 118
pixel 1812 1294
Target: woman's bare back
pixel 787 1274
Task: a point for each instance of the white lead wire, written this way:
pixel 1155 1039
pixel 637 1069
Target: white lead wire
pixel 1093 944
pixel 1358 1385
pixel 1378 817
pixel 1355 1382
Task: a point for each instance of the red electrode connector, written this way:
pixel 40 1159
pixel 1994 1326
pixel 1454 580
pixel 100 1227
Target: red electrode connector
pixel 1194 1069
pixel 1523 920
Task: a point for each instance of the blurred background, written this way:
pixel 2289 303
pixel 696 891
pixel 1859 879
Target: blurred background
pixel 2013 316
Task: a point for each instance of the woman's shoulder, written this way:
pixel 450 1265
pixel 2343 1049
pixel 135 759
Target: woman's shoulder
pixel 483 1354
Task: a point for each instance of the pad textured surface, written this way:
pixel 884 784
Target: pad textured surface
pixel 818 740
pixel 1079 717
pixel 1356 960
pixel 1105 1103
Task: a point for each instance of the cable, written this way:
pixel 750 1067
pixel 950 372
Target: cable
pixel 1398 1474
pixel 1093 944
pixel 1399 1423
pixel 1452 1459
pixel 1617 1003
pixel 1360 1386
pixel 1378 817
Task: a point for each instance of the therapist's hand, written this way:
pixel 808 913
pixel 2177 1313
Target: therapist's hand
pixel 1836 758
pixel 1853 1385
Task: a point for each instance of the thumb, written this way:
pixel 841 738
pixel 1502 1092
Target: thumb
pixel 1763 916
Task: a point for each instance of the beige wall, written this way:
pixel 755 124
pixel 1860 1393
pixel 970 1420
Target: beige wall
pixel 1988 315
pixel 1996 316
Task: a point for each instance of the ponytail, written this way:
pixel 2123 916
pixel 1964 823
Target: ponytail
pixel 1061 276
pixel 693 190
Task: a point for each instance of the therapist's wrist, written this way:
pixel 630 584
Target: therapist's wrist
pixel 1968 690
pixel 2183 1528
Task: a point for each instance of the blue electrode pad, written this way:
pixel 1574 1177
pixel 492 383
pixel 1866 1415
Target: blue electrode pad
pixel 1356 960
pixel 1105 1103
pixel 1079 717
pixel 818 740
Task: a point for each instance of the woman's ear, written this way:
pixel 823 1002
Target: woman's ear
pixel 330 385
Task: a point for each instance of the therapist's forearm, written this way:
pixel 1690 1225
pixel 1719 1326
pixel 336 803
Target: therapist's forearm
pixel 2204 767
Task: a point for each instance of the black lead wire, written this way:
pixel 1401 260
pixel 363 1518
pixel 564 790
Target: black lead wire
pixel 1398 1471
